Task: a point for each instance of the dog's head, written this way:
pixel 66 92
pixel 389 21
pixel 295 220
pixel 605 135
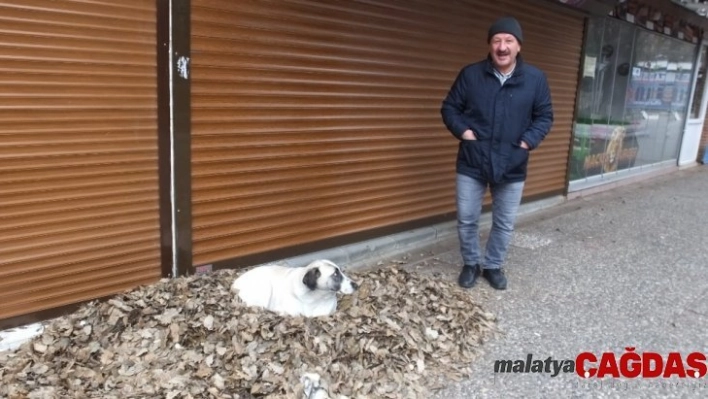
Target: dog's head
pixel 325 275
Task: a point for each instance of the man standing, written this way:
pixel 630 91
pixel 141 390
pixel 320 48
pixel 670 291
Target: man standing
pixel 500 110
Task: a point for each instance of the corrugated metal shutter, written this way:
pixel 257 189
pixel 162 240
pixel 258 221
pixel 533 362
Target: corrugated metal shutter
pixel 316 119
pixel 78 151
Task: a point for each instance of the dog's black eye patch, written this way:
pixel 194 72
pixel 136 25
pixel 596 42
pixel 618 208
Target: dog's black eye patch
pixel 311 277
pixel 337 276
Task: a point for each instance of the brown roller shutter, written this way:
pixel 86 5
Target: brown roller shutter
pixel 78 151
pixel 319 119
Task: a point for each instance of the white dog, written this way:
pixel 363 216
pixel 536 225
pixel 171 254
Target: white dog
pixel 308 291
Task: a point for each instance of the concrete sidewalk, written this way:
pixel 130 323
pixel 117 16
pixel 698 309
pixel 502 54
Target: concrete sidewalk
pixel 624 268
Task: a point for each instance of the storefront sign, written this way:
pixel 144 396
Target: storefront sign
pixel 652 18
pixel 645 14
pixel 602 149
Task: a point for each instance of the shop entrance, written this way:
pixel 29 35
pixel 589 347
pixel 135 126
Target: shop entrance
pixel 696 117
pixel 633 102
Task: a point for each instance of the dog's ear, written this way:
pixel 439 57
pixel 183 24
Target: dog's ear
pixel 310 279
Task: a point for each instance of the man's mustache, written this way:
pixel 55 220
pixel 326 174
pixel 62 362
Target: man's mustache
pixel 501 53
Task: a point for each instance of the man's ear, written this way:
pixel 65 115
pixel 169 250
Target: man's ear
pixel 310 279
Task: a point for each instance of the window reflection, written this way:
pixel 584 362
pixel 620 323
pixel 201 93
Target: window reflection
pixel 632 101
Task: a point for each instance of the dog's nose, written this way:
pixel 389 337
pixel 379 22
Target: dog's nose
pixel 355 286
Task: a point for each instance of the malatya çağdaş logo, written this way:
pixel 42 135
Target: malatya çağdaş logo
pixel 630 364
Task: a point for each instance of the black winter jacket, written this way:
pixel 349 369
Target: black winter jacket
pixel 500 117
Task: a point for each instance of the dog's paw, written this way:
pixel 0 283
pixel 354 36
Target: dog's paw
pixel 312 388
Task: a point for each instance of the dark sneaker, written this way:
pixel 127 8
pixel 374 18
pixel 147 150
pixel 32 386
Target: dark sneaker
pixel 495 277
pixel 469 275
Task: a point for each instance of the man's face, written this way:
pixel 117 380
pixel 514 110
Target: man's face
pixel 504 47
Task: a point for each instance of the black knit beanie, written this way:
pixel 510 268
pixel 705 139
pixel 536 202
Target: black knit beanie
pixel 506 25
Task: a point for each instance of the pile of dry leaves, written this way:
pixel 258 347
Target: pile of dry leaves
pixel 191 338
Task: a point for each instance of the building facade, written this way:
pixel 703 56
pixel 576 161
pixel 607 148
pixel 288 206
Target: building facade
pixel 153 139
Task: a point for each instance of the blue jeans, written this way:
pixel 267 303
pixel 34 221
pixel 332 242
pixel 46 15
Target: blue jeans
pixel 505 204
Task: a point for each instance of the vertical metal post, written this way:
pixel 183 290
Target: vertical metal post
pixel 174 131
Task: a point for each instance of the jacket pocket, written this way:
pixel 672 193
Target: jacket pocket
pixel 472 153
pixel 518 159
